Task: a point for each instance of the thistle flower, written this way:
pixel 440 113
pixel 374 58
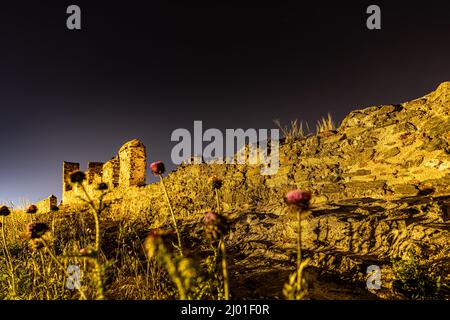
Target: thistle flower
pixel 4 211
pixel 77 177
pixel 102 186
pixel 157 168
pixel 210 218
pixel 36 230
pixel 215 225
pixel 298 198
pixel 215 182
pixel 32 209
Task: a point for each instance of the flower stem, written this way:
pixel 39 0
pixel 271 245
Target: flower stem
pixel 299 250
pixel 217 200
pixel 98 270
pixel 53 224
pixel 99 280
pixel 225 269
pixel 173 215
pixel 172 269
pixel 95 213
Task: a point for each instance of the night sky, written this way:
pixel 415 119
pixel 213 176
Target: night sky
pixel 139 70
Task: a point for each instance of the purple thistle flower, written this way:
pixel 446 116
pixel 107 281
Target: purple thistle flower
pixel 157 168
pixel 216 225
pixel 298 198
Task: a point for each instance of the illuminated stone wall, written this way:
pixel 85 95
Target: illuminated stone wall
pixel 125 170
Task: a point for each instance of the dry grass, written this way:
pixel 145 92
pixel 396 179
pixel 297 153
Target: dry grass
pixel 127 272
pixel 298 130
pixel 294 131
pixel 325 124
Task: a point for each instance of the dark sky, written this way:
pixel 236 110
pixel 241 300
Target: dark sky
pixel 140 69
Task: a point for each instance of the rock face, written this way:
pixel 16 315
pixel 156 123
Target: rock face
pixel 381 189
pixel 383 152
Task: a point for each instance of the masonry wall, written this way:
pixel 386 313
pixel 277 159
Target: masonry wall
pixel 94 172
pixel 132 161
pixel 111 172
pixel 47 205
pixel 386 152
pixel 68 168
pixel 125 170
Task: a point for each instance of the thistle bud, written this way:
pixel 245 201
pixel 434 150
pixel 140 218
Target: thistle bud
pixel 298 198
pixel 32 209
pixel 102 186
pixel 158 168
pixel 36 230
pixel 77 177
pixel 216 225
pixel 4 211
pixel 215 182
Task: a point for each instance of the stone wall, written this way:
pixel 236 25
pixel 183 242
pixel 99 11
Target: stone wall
pixel 111 172
pixel 132 160
pixel 94 172
pixel 68 168
pixel 382 152
pixel 47 205
pixel 125 170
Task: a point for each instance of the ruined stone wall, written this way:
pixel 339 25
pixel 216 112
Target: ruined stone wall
pixel 384 152
pixel 111 172
pixel 47 205
pixel 125 170
pixel 94 172
pixel 132 159
pixel 381 152
pixel 68 168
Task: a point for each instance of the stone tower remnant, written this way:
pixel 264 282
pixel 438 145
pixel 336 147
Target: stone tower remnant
pixel 68 168
pixel 111 172
pixel 132 159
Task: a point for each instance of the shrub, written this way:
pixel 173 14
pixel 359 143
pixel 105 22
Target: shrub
pixel 415 280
